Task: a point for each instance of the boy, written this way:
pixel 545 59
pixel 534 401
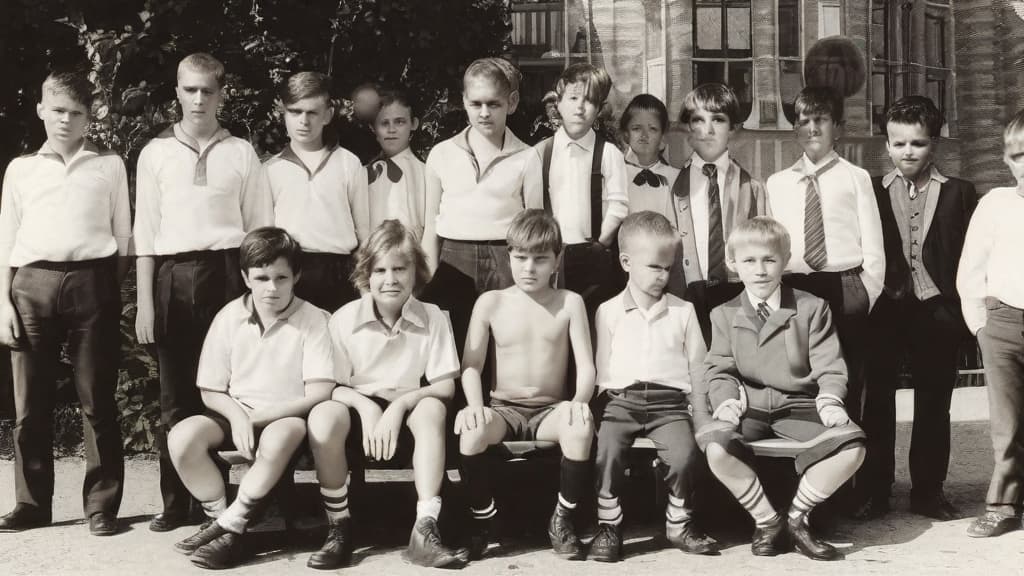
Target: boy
pixel 397 188
pixel 65 226
pixel 319 193
pixel 924 220
pixel 535 327
pixel 650 354
pixel 992 295
pixel 585 185
pixel 357 133
pixel 711 195
pixel 265 363
pixel 477 181
pixel 385 344
pixel 198 191
pixel 775 369
pixel 827 205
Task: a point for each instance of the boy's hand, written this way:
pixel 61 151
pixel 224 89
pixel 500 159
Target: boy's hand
pixel 832 416
pixel 472 416
pixel 579 413
pixel 369 415
pixel 243 436
pixel 385 433
pixel 730 411
pixel 144 322
pixel 10 332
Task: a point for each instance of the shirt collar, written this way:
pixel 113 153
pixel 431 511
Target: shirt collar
pixel 632 160
pixel 248 313
pixel 511 145
pixel 721 163
pixel 88 148
pixel 934 174
pixel 289 154
pixel 179 134
pixel 413 312
pixel 629 304
pixel 805 163
pixel 586 141
pixel 774 299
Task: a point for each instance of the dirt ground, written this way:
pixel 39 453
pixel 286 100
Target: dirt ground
pixel 901 543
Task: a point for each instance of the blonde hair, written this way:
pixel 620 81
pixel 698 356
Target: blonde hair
pixel 760 231
pixel 498 70
pixel 203 63
pixel 648 225
pixel 390 235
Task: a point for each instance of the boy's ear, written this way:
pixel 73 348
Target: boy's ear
pixel 415 123
pixel 39 110
pixel 624 261
pixel 730 263
pixel 245 278
pixel 513 101
pixel 298 276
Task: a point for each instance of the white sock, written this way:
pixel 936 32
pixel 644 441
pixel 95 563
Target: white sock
pixel 335 503
pixel 757 505
pixel 215 508
pixel 609 511
pixel 430 508
pixel 236 517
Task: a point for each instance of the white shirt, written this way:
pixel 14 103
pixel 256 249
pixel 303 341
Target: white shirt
pixel 64 213
pixel 403 200
pixel 261 367
pixel 645 197
pixel 370 357
pixel 853 228
pixel 187 199
pixel 699 206
pixel 662 345
pixel 774 300
pixel 569 185
pixel 991 261
pixel 479 202
pixel 326 210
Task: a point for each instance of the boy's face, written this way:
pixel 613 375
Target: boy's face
pixel 759 267
pixel 365 104
pixel 648 263
pixel 393 127
pixel 64 118
pixel 532 271
pixel 272 285
pixel 816 134
pixel 391 280
pixel 306 119
pixel 199 95
pixel 488 106
pixel 709 133
pixel 577 111
pixel 910 148
pixel 1013 156
pixel 644 133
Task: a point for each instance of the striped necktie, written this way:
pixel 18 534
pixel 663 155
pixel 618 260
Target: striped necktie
pixel 815 253
pixel 716 238
pixel 763 311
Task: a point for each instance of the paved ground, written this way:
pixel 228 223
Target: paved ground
pixel 899 544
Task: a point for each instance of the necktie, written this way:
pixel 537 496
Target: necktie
pixel 814 224
pixel 653 180
pixel 716 238
pixel 377 168
pixel 763 311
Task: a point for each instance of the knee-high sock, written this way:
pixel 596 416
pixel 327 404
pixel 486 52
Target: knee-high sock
pixel 756 503
pixel 573 479
pixel 477 479
pixel 335 503
pixel 807 497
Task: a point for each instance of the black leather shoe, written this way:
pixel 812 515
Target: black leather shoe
pixel 607 545
pixel 933 505
pixel 992 524
pixel 207 533
pixel 563 537
pixel 482 533
pixel 872 508
pixel 167 521
pixel 769 540
pixel 223 552
pixel 692 541
pixel 808 544
pixel 425 547
pixel 24 517
pixel 102 524
pixel 337 549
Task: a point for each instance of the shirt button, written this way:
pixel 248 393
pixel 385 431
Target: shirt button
pixel 913 256
pixel 914 228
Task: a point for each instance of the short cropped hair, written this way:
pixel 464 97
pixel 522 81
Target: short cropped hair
pixel 818 101
pixel 397 96
pixel 1014 131
pixel 533 230
pixel 645 102
pixel 714 97
pixel 760 231
pixel 263 246
pixel 203 63
pixel 498 70
pixel 302 85
pixel 916 109
pixel 645 224
pixel 390 235
pixel 75 84
pixel 596 80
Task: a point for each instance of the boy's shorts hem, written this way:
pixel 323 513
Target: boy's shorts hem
pixel 228 444
pixel 522 422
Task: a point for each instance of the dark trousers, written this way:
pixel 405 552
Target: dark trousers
pixel 325 280
pixel 929 334
pixel 1002 351
pixel 190 289
pixel 705 297
pixel 593 272
pixel 79 301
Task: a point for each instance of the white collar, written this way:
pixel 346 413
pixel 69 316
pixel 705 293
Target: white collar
pixel 774 300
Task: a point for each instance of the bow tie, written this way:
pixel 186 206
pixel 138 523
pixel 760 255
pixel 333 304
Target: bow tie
pixel 376 168
pixel 653 180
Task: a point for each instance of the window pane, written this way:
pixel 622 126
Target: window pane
pixel 789 28
pixel 935 41
pixel 741 80
pixel 880 31
pixel 708 72
pixel 738 27
pixel 709 28
pixel 791 81
pixel 829 19
pixel 879 100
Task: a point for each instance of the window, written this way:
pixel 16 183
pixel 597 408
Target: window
pixel 791 76
pixel 722 48
pixel 830 18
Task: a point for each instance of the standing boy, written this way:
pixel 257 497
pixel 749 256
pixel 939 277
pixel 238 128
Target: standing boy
pixel 650 355
pixel 65 225
pixel 198 191
pixel 397 186
pixel 535 328
pixel 924 220
pixel 319 193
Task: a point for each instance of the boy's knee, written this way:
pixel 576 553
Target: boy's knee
pixel 472 442
pixel 430 411
pixel 578 434
pixel 327 421
pixel 281 441
pixel 184 438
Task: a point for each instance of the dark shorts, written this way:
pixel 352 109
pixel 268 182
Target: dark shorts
pixel 325 280
pixel 229 444
pixel 522 421
pixel 354 443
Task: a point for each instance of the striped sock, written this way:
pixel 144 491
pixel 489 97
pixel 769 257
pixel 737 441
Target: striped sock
pixel 429 508
pixel 609 511
pixel 236 517
pixel 484 513
pixel 807 497
pixel 215 508
pixel 756 503
pixel 564 504
pixel 677 514
pixel 335 503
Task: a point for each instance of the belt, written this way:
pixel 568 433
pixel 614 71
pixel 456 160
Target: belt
pixel 72 265
pixel 477 242
pixel 856 270
pixel 196 255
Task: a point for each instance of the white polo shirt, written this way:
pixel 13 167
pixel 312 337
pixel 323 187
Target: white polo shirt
pixel 262 366
pixel 371 358
pixel 190 199
pixel 326 210
pixel 403 199
pixel 64 212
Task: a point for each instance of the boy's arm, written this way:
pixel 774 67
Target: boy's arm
pixel 10 221
pixel 145 315
pixel 579 339
pixel 432 204
pixel 872 243
pixel 828 369
pixel 359 200
pixel 603 333
pixel 971 277
pixel 256 202
pixel 475 353
pixel 316 392
pixel 121 220
pixel 147 221
pixel 696 350
pixel 242 434
pixel 613 168
pixel 533 180
pixel 721 378
pixel 442 365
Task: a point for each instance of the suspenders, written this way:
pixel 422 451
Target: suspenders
pixel 596 183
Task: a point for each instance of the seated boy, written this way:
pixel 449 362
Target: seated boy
pixel 535 328
pixel 265 363
pixel 397 185
pixel 775 370
pixel 650 352
pixel 384 345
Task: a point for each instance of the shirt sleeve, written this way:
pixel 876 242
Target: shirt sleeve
pixel 359 199
pixel 317 359
pixel 256 202
pixel 971 278
pixel 533 180
pixel 871 241
pixel 214 372
pixel 147 203
pixel 696 350
pixel 342 363
pixel 442 359
pixel 721 379
pixel 828 368
pixel 10 213
pixel 121 218
pixel 613 168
